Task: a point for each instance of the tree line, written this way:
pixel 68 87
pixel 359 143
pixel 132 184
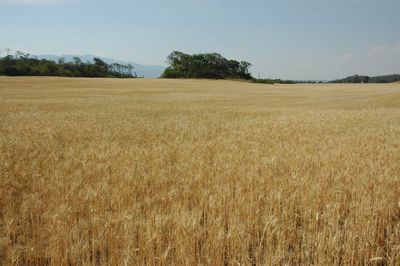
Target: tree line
pixel 206 65
pixel 22 64
pixel 273 81
pixel 367 79
pixel 181 65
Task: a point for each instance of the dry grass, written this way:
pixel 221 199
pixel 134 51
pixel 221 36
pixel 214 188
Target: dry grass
pixel 102 171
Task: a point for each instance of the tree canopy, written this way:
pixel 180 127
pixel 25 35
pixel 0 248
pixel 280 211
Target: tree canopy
pixel 23 65
pixel 207 65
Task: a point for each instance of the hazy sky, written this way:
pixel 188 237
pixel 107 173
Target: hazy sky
pixel 294 39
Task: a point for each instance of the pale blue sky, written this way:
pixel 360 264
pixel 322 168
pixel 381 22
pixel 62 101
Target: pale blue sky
pixel 293 39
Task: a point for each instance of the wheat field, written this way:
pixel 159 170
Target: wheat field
pixel 184 172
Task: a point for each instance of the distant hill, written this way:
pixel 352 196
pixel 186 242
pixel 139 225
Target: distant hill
pixel 367 79
pixel 147 71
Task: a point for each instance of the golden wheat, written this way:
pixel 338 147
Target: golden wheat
pixel 104 171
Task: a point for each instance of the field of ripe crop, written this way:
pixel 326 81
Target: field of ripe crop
pixel 184 172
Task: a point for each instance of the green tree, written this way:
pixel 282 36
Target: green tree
pixel 77 60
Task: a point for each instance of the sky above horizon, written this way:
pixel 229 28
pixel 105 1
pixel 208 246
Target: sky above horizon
pixel 289 39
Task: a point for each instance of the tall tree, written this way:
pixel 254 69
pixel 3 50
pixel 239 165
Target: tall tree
pixel 77 60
